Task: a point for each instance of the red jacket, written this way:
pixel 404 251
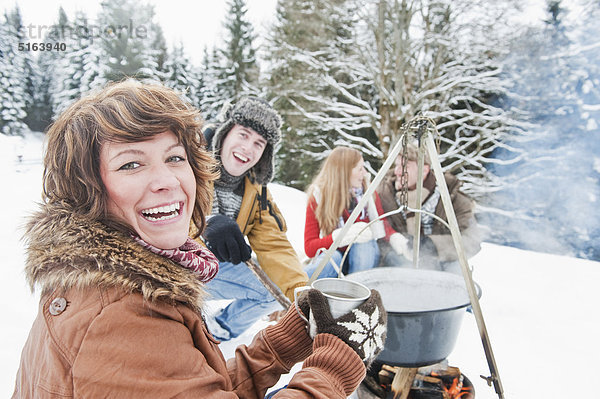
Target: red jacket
pixel 312 231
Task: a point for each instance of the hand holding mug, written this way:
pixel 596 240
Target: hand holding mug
pixel 360 323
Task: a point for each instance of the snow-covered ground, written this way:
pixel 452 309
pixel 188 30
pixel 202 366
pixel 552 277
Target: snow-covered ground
pixel 540 310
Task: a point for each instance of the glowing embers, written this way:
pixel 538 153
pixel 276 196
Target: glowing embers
pixel 438 381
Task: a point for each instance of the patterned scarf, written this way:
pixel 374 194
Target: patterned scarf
pixel 356 195
pixel 226 200
pixel 429 206
pixel 190 255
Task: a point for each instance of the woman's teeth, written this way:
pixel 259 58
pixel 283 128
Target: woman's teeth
pixel 162 212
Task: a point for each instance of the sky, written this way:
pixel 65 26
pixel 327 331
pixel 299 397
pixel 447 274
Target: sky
pixel 197 24
pixel 540 310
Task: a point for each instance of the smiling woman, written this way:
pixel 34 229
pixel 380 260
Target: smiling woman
pixel 122 284
pixel 150 187
pixel 120 133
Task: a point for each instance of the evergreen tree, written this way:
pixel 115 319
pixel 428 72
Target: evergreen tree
pixel 305 30
pixel 201 81
pixel 79 69
pixel 239 70
pixel 15 100
pixel 128 42
pixel 24 62
pixel 181 75
pixel 159 45
pixel 211 96
pixel 41 116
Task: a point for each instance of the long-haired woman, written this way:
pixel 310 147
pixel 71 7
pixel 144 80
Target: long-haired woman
pixel 332 196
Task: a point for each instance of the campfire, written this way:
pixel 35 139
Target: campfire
pixel 438 381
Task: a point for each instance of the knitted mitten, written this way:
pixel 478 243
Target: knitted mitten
pixel 302 304
pixel 363 329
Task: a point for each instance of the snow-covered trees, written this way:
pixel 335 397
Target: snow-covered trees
pixel 306 34
pixel 210 97
pixel 180 74
pixel 80 69
pixel 239 73
pixel 16 76
pixel 129 33
pixel 548 200
pixel 122 41
pixel 397 59
pixel 231 71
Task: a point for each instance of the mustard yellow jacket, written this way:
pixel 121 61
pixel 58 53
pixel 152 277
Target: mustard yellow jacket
pixel 262 222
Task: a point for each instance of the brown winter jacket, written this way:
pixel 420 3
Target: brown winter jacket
pixel 441 237
pixel 117 321
pixel 266 231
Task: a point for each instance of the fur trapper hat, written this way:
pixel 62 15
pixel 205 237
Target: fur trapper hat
pixel 258 115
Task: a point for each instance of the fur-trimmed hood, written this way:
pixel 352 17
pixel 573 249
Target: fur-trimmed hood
pixel 66 250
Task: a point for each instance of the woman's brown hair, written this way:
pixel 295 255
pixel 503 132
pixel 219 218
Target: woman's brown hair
pixel 127 111
pixel 332 185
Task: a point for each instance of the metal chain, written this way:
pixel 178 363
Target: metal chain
pixel 420 123
pixel 404 174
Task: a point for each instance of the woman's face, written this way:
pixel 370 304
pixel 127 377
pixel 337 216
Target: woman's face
pixel 357 174
pixel 151 187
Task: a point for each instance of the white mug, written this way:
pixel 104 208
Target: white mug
pixel 342 296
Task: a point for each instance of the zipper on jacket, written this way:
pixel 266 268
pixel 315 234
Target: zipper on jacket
pixel 272 213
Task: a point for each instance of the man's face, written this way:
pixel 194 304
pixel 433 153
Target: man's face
pixel 242 149
pixel 411 173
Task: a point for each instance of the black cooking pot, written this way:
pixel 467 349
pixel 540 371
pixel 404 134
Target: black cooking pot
pixel 425 310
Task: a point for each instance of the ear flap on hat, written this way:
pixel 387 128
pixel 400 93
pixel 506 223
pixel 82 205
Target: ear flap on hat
pixel 263 170
pixel 220 133
pixel 225 112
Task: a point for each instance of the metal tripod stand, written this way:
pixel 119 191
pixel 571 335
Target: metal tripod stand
pixel 422 129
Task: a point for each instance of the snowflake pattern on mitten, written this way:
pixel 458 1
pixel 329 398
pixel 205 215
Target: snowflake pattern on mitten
pixel 363 329
pixel 367 331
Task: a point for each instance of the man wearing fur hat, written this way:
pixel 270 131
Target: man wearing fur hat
pixel 243 144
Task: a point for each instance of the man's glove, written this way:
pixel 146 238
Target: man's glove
pixel 401 245
pixel 224 238
pixel 354 234
pixel 364 329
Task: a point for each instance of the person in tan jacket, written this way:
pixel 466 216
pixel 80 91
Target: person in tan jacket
pixel 123 285
pixel 437 249
pixel 245 219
